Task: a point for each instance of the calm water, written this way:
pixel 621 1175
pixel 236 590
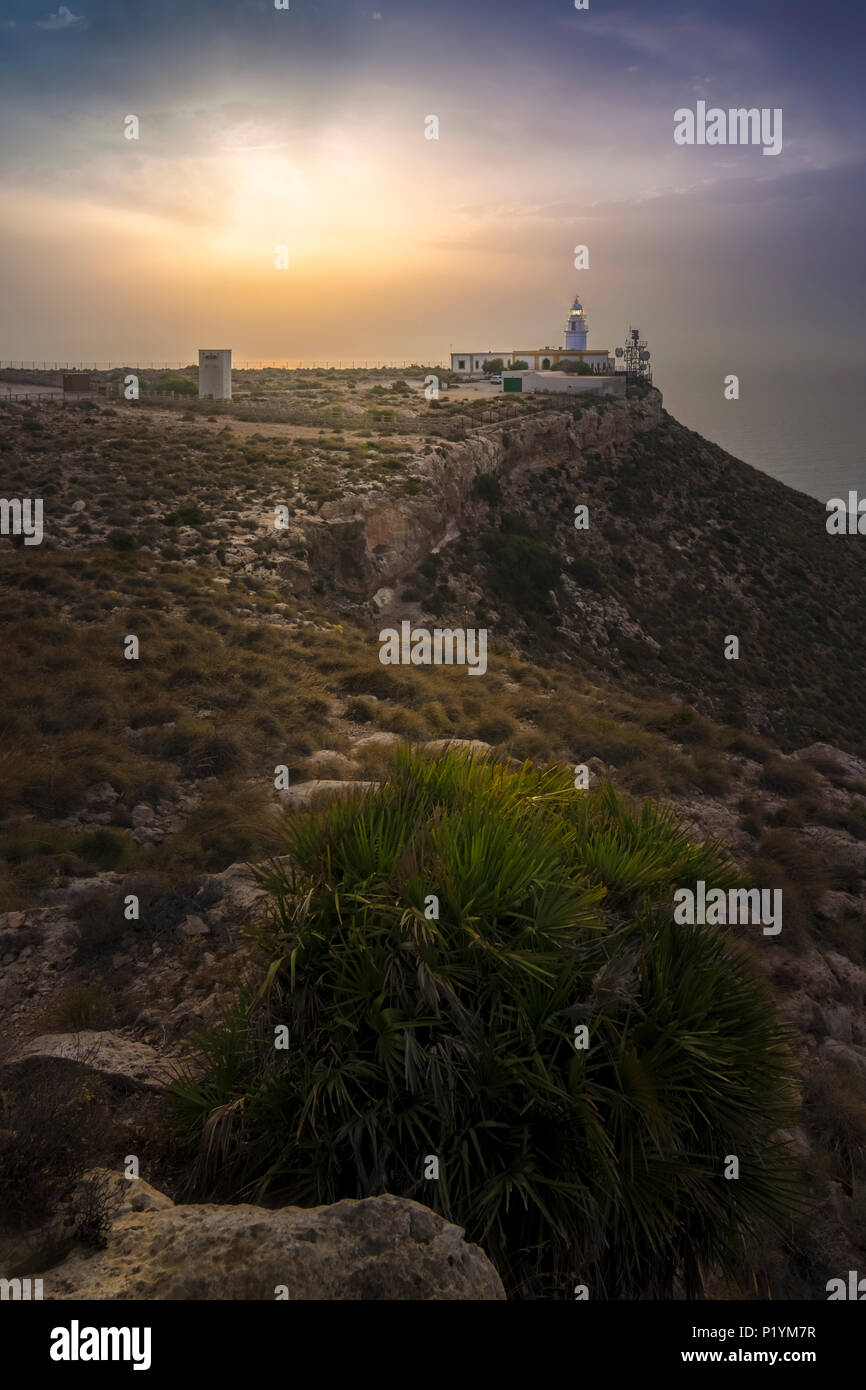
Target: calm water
pixel 807 430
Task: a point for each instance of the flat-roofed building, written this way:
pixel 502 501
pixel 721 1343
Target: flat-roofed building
pixel 469 364
pixel 564 383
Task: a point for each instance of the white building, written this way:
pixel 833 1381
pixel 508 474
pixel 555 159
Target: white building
pixel 564 383
pixel 469 364
pixel 215 373
pixel 472 363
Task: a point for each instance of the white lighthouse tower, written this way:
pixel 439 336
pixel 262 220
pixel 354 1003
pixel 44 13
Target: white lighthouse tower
pixel 576 328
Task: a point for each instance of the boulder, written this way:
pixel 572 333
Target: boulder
pixel 122 1194
pixel 466 745
pixel 331 761
pixel 110 1054
pixel 235 895
pixel 380 1248
pixel 382 738
pixel 821 753
pixel 193 926
pixel 842 855
pixel 847 1054
pixel 319 793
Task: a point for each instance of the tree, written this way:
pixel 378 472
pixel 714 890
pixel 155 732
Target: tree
pixel 492 366
pixel 574 366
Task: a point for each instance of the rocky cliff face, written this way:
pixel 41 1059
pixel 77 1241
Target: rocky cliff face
pixel 369 541
pixel 683 548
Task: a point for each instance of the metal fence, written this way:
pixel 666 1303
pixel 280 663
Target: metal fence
pixel 287 364
pixel 446 423
pixel 31 395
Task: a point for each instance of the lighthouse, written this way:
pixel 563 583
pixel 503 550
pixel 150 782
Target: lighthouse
pixel 575 353
pixel 576 329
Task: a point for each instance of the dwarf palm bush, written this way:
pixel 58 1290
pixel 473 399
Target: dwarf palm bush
pixel 414 1035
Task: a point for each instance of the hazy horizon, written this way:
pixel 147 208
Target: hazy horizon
pixel 305 128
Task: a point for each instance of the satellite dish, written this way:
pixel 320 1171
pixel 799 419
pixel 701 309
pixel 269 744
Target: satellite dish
pixel 644 357
pixel 619 352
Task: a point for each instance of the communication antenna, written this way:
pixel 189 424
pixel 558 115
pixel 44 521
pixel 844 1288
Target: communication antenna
pixel 635 356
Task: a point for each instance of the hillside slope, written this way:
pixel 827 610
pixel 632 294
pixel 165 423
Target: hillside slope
pixel 259 646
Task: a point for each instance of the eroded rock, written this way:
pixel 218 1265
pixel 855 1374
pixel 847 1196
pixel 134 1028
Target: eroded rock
pixel 110 1054
pixel 380 1248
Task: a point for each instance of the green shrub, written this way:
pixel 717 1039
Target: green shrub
pixel 487 488
pixel 522 569
pixel 79 1007
pixel 455 1036
pixel 360 710
pixel 54 1124
pixel 803 864
pixel 788 777
pixel 497 727
pixel 191 515
pixel 585 573
pixel 181 385
pixel 100 925
pixel 712 774
pixel 105 848
pixel 121 540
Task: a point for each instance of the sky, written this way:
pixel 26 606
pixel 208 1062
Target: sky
pixel 305 128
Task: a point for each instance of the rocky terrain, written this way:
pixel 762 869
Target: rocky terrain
pixel 154 778
pixel 381 1248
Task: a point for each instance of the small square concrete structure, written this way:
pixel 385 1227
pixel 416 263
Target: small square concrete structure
pixel 215 373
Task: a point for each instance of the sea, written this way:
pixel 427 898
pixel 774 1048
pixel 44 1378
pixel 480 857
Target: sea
pixel 806 428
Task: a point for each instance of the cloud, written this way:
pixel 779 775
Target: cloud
pixel 63 19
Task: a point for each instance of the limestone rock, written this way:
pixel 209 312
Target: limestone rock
pixel 233 895
pixel 319 792
pixel 331 761
pixel 193 926
pixel 847 763
pixel 382 738
pixel 381 1248
pixel 846 1053
pixel 124 1195
pixel 843 856
pixel 469 745
pixel 112 1055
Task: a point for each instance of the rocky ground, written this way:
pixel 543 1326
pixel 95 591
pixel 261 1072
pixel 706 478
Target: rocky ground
pixel 382 1248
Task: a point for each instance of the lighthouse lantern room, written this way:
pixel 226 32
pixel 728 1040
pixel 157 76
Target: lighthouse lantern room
pixel 576 329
